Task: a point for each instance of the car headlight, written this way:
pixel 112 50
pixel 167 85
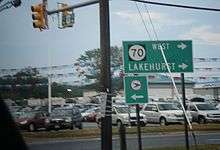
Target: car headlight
pixel 125 117
pixel 209 115
pixel 170 115
pixel 144 116
pixel 189 115
pixel 68 119
pixel 47 121
pixel 23 122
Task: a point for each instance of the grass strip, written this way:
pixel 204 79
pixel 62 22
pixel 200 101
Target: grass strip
pixel 199 147
pixel 95 132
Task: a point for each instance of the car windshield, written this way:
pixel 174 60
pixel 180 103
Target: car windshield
pixel 168 107
pixel 205 107
pixel 122 110
pixel 61 112
pixel 27 115
pixel 125 110
pixel 16 115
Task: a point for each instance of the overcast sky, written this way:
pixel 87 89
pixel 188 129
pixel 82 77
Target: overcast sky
pixel 21 45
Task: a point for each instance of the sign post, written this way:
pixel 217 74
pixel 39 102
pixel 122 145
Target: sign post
pixel 146 57
pixel 138 127
pixel 135 93
pixel 184 104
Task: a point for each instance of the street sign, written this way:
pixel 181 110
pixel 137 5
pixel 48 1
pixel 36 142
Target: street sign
pixel 135 89
pixel 146 56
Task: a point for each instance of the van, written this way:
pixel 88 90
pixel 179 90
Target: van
pixel 66 118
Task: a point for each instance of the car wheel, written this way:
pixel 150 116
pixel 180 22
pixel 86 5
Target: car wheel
pixel 163 121
pixel 201 120
pixel 143 124
pixel 98 123
pixel 48 129
pixel 119 123
pixel 72 126
pixel 80 126
pixel 31 127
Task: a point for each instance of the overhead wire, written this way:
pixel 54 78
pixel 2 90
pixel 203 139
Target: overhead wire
pixel 6 5
pixel 142 19
pixel 178 6
pixel 154 30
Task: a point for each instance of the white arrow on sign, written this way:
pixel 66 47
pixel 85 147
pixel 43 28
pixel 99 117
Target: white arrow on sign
pixel 135 97
pixel 182 46
pixel 183 66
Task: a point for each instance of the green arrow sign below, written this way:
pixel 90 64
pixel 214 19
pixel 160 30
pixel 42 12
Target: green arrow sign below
pixel 135 89
pixel 146 56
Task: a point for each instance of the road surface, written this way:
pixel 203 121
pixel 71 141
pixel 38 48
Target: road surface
pixel 148 141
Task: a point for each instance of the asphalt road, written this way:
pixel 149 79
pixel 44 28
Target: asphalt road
pixel 148 141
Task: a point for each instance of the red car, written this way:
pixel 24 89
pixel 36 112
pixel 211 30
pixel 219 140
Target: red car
pixel 32 121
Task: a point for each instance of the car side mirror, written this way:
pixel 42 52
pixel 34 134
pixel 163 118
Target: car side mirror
pixel 113 112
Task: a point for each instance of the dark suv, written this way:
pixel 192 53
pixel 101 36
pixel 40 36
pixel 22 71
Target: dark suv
pixel 32 120
pixel 65 118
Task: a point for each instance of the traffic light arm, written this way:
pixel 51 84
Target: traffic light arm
pixel 73 7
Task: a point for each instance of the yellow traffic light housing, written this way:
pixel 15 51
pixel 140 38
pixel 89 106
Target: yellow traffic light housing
pixel 66 12
pixel 38 16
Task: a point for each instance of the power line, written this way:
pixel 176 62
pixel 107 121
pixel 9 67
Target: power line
pixel 145 26
pixel 179 6
pixel 6 5
pixel 154 30
pixel 9 4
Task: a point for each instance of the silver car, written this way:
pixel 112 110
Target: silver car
pixel 164 113
pixel 122 114
pixel 203 112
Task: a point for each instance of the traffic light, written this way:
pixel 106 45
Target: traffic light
pixel 67 17
pixel 38 16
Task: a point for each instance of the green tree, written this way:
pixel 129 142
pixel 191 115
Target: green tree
pixel 92 58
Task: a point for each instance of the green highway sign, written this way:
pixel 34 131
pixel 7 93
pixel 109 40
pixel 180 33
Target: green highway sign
pixel 136 89
pixel 146 56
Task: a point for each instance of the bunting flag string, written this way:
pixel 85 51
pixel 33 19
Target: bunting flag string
pixel 64 75
pixel 89 81
pixel 83 74
pixel 23 85
pixel 206 60
pixel 89 70
pixel 92 64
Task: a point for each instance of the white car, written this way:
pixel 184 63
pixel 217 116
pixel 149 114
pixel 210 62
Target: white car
pixel 204 112
pixel 218 106
pixel 164 113
pixel 122 114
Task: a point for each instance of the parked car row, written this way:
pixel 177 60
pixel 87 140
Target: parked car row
pixel 60 118
pixel 71 116
pixel 164 113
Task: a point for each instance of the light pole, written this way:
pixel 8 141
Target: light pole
pixel 105 80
